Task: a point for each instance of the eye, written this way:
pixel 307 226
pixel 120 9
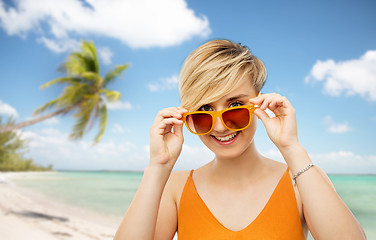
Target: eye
pixel 205 108
pixel 236 104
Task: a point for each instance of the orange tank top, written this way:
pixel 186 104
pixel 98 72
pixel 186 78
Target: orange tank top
pixel 279 219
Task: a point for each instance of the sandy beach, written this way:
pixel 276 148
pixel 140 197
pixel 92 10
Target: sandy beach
pixel 25 214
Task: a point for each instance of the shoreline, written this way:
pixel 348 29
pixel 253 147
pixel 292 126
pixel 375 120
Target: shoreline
pixel 27 214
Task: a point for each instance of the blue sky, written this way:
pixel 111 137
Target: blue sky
pixel 321 55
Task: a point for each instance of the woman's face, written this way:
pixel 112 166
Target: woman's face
pixel 226 143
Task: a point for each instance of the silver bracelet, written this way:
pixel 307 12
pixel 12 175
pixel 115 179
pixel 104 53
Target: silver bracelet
pixel 301 171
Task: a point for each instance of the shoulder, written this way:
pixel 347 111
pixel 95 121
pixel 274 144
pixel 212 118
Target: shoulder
pixel 274 168
pixel 178 178
pixel 176 183
pixel 180 175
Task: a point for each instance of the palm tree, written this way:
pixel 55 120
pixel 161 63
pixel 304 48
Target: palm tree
pixel 12 150
pixel 85 93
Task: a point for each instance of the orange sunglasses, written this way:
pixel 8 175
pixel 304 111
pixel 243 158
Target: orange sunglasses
pixel 235 119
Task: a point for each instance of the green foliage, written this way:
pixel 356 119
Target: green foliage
pixel 102 122
pixel 12 150
pixel 85 92
pixel 114 73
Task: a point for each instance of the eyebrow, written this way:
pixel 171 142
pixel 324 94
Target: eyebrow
pixel 236 97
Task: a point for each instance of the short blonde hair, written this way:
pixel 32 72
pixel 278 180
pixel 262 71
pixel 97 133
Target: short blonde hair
pixel 215 69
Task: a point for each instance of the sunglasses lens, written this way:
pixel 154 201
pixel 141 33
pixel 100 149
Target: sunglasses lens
pixel 199 123
pixel 236 118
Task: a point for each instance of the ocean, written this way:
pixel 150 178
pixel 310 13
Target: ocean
pixel 110 193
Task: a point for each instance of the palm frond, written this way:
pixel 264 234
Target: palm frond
pixel 74 65
pixel 83 61
pixel 102 123
pixel 94 116
pixel 50 104
pixel 72 94
pixel 114 73
pixel 83 114
pixel 96 111
pixel 61 80
pixel 94 78
pixel 111 96
pixel 90 53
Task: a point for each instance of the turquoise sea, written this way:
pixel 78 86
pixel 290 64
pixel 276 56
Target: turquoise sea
pixel 110 193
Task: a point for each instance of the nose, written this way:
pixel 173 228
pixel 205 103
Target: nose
pixel 218 125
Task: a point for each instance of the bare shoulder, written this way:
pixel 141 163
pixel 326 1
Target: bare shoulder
pixel 176 183
pixel 179 178
pixel 178 175
pixel 275 168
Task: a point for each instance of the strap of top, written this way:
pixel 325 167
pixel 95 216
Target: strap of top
pixel 280 216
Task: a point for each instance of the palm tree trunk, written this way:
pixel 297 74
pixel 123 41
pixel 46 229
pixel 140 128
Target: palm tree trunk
pixel 35 120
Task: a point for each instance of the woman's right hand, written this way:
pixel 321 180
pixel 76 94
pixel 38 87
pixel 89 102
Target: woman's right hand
pixel 166 137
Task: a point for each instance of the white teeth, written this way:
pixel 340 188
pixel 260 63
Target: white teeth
pixel 227 138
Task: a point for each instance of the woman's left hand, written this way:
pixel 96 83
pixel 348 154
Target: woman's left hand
pixel 281 129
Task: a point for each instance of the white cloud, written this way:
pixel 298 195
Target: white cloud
pixel 118 129
pixel 119 105
pixel 191 157
pixel 6 109
pixel 334 127
pixel 351 77
pixel 339 128
pixel 60 45
pixel 274 154
pixel 340 162
pixel 139 24
pixel 51 146
pixel 345 162
pixel 164 84
pixel 106 54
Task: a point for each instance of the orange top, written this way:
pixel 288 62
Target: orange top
pixel 279 219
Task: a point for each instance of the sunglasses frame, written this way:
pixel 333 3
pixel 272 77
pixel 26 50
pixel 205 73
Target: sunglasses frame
pixel 219 114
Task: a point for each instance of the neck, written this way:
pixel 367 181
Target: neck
pixel 241 168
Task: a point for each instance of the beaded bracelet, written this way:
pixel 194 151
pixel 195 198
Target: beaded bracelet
pixel 301 171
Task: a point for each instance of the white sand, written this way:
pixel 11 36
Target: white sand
pixel 25 214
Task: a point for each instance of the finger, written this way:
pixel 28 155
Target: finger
pixel 275 103
pixel 169 113
pixel 272 101
pixel 281 106
pixel 262 115
pixel 178 130
pixel 166 125
pixel 266 102
pixel 182 109
pixel 170 122
pixel 256 100
pixel 278 104
pixel 261 98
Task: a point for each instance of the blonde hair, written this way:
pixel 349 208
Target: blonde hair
pixel 215 69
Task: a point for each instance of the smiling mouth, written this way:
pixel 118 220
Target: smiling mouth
pixel 227 138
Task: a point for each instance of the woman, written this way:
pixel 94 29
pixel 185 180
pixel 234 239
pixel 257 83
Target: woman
pixel 240 194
